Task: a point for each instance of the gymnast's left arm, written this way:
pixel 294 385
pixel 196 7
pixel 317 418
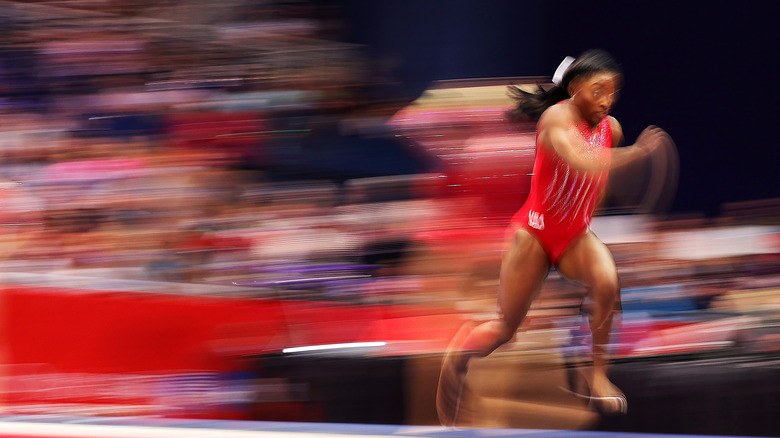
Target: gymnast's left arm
pixel 649 139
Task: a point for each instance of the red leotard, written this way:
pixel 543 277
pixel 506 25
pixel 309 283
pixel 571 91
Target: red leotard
pixel 562 200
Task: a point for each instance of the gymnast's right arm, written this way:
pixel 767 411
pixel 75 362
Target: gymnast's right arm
pixel 557 129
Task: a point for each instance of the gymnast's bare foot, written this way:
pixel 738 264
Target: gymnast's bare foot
pixel 606 397
pixel 452 379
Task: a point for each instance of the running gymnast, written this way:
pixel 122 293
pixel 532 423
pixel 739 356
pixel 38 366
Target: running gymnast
pixel 576 144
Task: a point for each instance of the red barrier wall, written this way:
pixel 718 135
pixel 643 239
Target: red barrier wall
pixel 154 353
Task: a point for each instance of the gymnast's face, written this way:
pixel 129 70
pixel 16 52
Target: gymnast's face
pixel 594 95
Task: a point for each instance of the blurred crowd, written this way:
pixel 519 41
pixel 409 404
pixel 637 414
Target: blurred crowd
pixel 146 148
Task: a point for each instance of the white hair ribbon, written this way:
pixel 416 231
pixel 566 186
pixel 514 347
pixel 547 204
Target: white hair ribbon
pixel 561 70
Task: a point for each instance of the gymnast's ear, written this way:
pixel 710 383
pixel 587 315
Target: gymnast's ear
pixel 574 86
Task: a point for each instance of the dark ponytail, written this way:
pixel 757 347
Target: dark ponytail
pixel 532 105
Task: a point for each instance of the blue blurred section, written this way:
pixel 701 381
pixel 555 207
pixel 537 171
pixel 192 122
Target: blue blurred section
pixel 664 299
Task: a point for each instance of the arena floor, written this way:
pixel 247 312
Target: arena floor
pixel 83 427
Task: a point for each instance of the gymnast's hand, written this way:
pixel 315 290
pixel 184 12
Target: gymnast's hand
pixel 651 139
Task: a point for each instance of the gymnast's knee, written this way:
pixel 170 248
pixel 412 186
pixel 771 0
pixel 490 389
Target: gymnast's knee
pixel 488 336
pixel 605 288
pixel 503 331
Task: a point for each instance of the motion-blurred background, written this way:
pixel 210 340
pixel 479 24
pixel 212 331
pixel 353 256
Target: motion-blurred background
pixel 283 210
